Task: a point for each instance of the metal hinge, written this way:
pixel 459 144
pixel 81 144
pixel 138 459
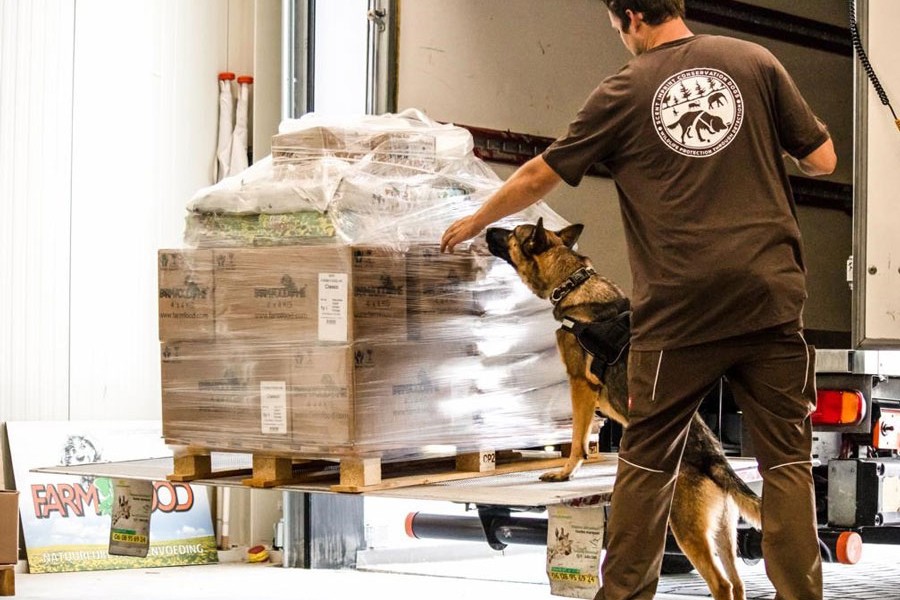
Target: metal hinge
pixel 850 272
pixel 377 16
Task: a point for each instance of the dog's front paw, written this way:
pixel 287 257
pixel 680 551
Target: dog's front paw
pixel 558 475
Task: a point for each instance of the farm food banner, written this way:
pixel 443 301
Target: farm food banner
pixel 66 520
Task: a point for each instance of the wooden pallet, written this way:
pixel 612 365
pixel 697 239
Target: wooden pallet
pixel 357 474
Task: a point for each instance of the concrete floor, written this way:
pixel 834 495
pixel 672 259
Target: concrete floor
pixel 518 573
pixel 239 581
pixel 235 581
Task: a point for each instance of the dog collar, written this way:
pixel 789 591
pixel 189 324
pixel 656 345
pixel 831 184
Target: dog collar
pixel 572 282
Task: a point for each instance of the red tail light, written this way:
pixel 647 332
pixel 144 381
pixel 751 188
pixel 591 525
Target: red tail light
pixel 839 407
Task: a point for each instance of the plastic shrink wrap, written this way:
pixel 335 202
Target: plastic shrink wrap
pixel 311 313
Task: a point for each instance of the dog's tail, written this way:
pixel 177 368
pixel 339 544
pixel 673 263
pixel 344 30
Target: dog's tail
pixel 748 503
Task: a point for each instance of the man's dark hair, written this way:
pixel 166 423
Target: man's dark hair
pixel 655 11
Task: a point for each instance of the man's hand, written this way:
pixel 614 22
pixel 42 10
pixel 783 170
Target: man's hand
pixel 460 231
pixel 526 186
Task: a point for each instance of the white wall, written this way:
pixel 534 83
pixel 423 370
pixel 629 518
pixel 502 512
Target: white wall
pixel 145 122
pixel 36 41
pixel 527 66
pixel 108 117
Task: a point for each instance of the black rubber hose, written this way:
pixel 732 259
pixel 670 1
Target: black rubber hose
pixel 864 59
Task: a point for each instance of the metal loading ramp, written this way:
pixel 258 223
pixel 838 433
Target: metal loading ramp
pixel 592 485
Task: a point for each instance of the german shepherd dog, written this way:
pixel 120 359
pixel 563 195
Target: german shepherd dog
pixel 709 496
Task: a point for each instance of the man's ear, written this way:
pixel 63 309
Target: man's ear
pixel 570 234
pixel 634 20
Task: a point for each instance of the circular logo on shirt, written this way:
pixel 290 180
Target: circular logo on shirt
pixel 698 112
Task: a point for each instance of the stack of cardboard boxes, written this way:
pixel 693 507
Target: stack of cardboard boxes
pixel 339 349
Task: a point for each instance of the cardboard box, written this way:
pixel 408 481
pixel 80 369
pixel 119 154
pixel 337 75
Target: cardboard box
pixel 312 357
pixel 335 400
pixel 329 293
pixel 186 303
pixel 9 527
pixel 441 286
pixel 314 143
pixel 226 395
pixel 379 294
pixel 404 394
pixel 264 292
pixel 398 148
pixel 331 399
pixel 410 149
pixel 322 392
pixel 374 396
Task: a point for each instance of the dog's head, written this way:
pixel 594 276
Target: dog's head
pixel 526 242
pixel 532 250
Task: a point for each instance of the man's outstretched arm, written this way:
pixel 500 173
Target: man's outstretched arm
pixel 531 182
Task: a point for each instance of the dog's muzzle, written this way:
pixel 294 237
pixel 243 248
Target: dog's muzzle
pixel 497 242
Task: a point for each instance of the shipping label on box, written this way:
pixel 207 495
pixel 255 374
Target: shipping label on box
pixel 333 307
pixel 273 292
pixel 186 306
pixel 273 406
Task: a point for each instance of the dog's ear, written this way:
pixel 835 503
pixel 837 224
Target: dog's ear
pixel 537 241
pixel 570 234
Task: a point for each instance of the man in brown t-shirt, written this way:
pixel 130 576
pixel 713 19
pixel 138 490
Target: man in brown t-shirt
pixel 694 130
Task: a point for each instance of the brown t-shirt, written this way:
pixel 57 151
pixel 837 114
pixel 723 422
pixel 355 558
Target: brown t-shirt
pixel 692 132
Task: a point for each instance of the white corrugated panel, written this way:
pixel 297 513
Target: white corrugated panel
pixel 108 116
pixel 36 44
pixel 145 106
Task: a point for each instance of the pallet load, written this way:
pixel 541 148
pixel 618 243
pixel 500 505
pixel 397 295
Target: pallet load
pixel 311 316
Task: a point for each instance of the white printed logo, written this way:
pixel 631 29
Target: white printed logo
pixel 698 112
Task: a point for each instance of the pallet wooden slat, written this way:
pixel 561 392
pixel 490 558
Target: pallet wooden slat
pixel 443 477
pixel 270 471
pixel 358 474
pixel 190 465
pixel 478 462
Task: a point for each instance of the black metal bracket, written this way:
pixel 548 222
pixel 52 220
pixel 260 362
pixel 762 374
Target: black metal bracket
pixel 487 515
pixel 772 24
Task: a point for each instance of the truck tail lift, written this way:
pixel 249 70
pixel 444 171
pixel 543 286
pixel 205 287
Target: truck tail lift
pixel 499 528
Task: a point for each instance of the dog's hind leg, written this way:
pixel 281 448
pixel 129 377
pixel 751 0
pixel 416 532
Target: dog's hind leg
pixel 583 403
pixel 695 521
pixel 726 546
pixel 699 550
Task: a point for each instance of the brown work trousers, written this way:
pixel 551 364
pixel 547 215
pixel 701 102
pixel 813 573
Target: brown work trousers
pixel 772 376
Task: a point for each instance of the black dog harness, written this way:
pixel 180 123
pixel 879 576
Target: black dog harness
pixel 607 339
